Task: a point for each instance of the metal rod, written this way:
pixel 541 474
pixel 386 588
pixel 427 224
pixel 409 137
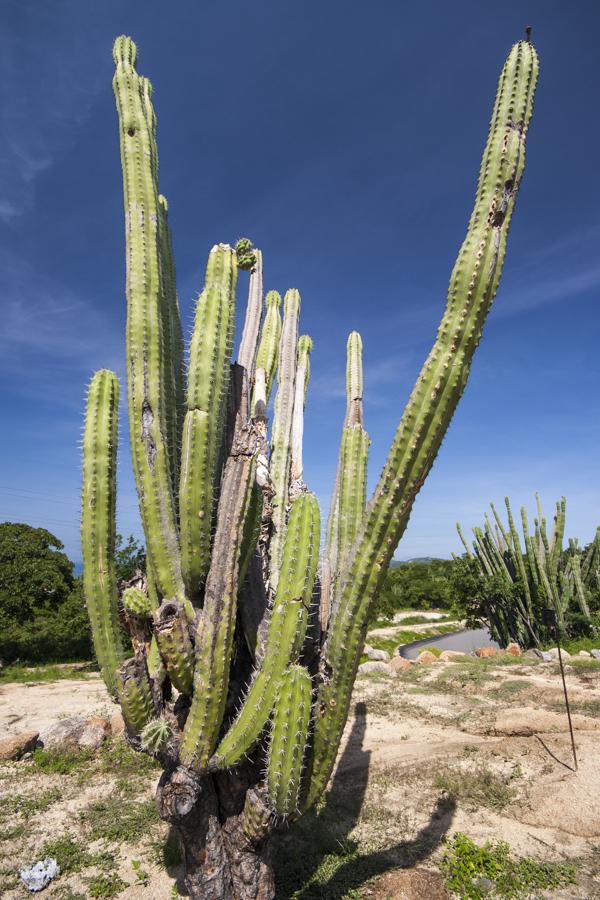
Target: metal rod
pixel 562 672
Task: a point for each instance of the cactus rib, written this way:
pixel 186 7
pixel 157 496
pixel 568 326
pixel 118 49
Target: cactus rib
pixel 288 740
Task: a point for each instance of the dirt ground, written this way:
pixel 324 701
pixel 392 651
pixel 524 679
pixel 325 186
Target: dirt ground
pixel 478 747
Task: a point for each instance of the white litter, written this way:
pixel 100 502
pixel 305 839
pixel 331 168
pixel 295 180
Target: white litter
pixel 39 876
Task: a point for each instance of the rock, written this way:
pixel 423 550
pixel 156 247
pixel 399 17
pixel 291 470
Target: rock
pixel 400 664
pixel 513 649
pixel 96 730
pixel 39 876
pixel 547 656
pixel 367 649
pixel 375 666
pixel 484 652
pixel 595 654
pixel 17 746
pixel 63 734
pixel 585 653
pixel 554 653
pixel 449 655
pixel 117 725
pixel 484 884
pixel 377 655
pixel 426 658
pixel 533 654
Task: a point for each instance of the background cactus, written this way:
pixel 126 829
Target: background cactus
pixel 263 654
pixel 519 580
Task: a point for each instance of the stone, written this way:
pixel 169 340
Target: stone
pixel 426 658
pixel 485 652
pixel 367 649
pixel 63 734
pixel 449 655
pixel 96 730
pixel 585 653
pixel 377 655
pixel 374 666
pixel 554 653
pixel 533 654
pixel 513 649
pixel 18 745
pixel 400 664
pixel 595 654
pixel 117 725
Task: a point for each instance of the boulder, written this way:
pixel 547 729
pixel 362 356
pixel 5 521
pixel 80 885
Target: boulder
pixel 533 654
pixel 595 654
pixel 426 658
pixel 96 730
pixel 554 653
pixel 585 653
pixel 63 734
pixel 449 655
pixel 117 725
pixel 484 652
pixel 513 649
pixel 374 666
pixel 16 746
pixel 547 656
pixel 367 649
pixel 400 664
pixel 377 655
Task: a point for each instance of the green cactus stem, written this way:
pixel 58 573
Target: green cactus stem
pixel 254 306
pixel 282 430
pixel 246 255
pixel 98 510
pixel 288 740
pixel 286 631
pixel 135 695
pixel 257 815
pixel 171 630
pixel 473 284
pixel 214 635
pixel 208 380
pixel 145 338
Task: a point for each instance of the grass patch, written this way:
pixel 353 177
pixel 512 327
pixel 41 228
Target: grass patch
pixel 60 761
pixel 581 664
pixel 106 886
pixel 474 872
pixel 479 787
pixel 70 855
pixel 577 644
pixel 22 674
pixel 117 758
pixel 119 820
pixel 29 806
pixel 509 689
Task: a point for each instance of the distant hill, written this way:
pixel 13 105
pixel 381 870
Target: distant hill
pixel 416 559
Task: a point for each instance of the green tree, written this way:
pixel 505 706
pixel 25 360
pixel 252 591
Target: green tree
pixel 130 555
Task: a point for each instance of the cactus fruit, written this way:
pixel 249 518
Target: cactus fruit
pixel 155 735
pixel 137 602
pixel 232 531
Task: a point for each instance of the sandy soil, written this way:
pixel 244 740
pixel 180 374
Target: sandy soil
pixel 478 747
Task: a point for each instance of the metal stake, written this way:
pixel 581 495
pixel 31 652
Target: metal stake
pixel 549 618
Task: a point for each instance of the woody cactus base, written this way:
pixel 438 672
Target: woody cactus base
pixel 245 644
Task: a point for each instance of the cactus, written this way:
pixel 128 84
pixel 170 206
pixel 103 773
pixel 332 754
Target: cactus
pixel 232 530
pixel 537 576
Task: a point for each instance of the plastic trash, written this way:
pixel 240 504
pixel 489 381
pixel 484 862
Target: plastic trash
pixel 39 876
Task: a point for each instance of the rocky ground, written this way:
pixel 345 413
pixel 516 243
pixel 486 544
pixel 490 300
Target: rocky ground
pixel 472 746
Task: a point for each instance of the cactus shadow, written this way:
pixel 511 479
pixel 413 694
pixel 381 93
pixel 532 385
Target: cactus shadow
pixel 318 859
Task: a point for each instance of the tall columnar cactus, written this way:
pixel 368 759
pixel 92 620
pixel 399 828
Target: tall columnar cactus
pixel 538 574
pixel 250 734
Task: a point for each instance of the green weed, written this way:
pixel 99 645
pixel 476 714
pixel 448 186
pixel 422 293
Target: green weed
pixel 106 886
pixel 480 787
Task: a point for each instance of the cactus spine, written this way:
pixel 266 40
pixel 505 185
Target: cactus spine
pixel 233 532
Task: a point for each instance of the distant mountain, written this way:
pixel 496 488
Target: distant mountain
pixel 415 559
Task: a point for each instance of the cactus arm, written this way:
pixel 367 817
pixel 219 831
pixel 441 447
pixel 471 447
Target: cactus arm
pixel 430 408
pixel 267 355
pixel 171 630
pixel 288 740
pixel 247 351
pixel 282 430
pixel 135 694
pixel 464 541
pixel 519 561
pixel 208 379
pixel 580 591
pixel 558 533
pixel 98 516
pixel 286 631
pixel 174 349
pixel 144 333
pixel 590 561
pixel 305 346
pixel 214 635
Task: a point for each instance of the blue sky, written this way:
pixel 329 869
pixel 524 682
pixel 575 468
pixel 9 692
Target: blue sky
pixel 345 140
